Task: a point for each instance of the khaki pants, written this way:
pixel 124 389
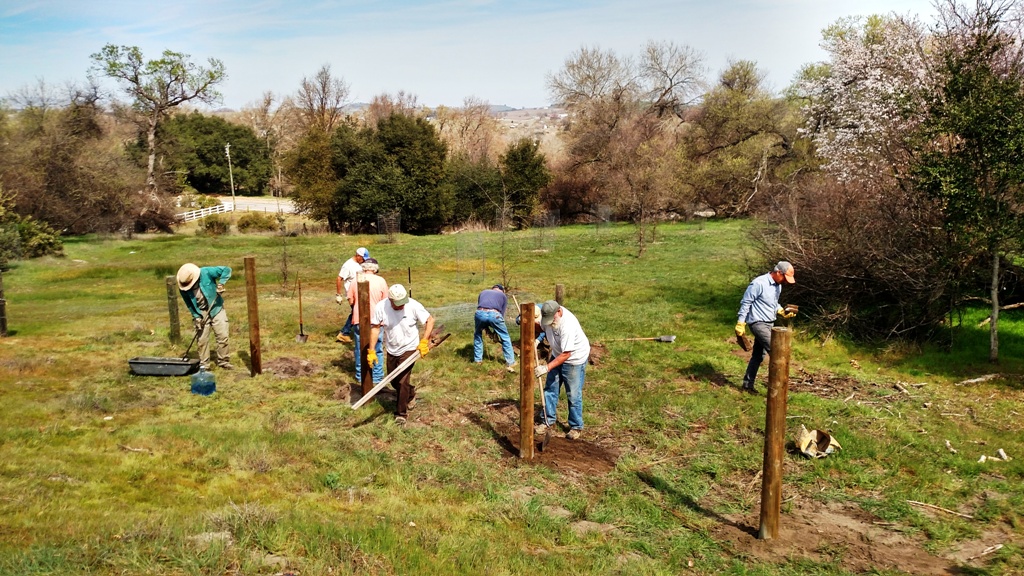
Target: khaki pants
pixel 220 331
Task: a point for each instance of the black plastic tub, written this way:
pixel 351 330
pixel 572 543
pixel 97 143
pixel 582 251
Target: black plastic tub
pixel 153 366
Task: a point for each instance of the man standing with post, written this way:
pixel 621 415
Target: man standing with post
pixel 758 309
pixel 346 277
pixel 202 290
pixel 490 314
pixel 378 292
pixel 567 366
pixel 399 316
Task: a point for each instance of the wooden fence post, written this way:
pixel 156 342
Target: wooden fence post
pixel 775 433
pixel 559 293
pixel 255 353
pixel 528 360
pixel 172 309
pixel 363 296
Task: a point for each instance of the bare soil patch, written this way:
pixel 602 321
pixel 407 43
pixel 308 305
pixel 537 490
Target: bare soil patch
pixel 291 367
pixel 836 532
pixel 501 419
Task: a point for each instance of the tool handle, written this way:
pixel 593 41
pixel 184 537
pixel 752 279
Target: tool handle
pixel 387 380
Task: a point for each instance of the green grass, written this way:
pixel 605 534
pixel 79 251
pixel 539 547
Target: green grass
pixel 105 473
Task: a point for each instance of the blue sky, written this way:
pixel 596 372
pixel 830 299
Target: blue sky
pixel 440 50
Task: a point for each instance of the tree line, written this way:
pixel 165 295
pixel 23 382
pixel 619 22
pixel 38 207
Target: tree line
pixel 890 174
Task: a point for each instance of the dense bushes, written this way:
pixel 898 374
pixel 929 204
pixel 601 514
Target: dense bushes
pixel 258 222
pixel 213 226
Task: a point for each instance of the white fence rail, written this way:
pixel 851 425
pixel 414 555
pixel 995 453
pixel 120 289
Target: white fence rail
pixel 203 213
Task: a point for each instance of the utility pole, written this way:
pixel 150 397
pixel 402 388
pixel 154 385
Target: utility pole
pixel 231 174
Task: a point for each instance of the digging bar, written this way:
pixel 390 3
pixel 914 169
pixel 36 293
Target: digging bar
pixel 398 370
pixel 543 405
pixel 301 337
pixel 671 338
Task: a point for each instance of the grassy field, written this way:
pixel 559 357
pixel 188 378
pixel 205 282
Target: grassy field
pixel 102 472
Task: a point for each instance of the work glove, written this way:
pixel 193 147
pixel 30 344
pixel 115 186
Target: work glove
pixel 540 370
pixel 424 347
pixel 197 323
pixel 220 289
pixel 782 312
pixel 740 328
pixel 371 357
pixel 338 298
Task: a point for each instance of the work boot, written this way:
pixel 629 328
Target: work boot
pixel 226 365
pixel 343 338
pixel 400 420
pixel 540 429
pixel 511 367
pixel 574 434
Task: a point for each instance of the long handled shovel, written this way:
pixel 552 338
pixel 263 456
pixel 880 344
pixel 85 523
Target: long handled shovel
pixel 543 407
pixel 301 337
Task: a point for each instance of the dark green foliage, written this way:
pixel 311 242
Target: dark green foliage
pixel 410 157
pixel 258 222
pixel 476 189
pixel 310 169
pixel 24 237
pixel 351 178
pixel 194 145
pixel 525 173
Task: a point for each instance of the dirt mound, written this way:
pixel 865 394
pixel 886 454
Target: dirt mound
pixel 834 533
pixel 598 352
pixel 291 367
pixel 501 418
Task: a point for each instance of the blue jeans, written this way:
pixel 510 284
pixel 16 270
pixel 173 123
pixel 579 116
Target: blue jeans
pixel 762 332
pixel 496 322
pixel 378 368
pixel 347 328
pixel 571 376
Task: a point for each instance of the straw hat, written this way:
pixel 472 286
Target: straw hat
pixel 188 275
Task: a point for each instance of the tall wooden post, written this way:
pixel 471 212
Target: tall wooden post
pixel 528 360
pixel 255 353
pixel 559 293
pixel 363 297
pixel 3 309
pixel 172 309
pixel 774 433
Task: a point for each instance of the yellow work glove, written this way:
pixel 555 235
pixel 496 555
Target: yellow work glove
pixel 371 357
pixel 424 347
pixel 740 328
pixel 782 312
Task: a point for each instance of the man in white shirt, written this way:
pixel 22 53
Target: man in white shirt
pixel 399 316
pixel 567 366
pixel 346 276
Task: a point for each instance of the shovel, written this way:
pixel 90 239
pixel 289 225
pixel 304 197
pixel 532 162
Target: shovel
pixel 543 407
pixel 300 337
pixel 671 338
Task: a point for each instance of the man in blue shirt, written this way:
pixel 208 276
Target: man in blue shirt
pixel 490 313
pixel 758 309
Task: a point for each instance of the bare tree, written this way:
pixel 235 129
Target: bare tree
pixel 322 99
pixel 384 105
pixel 470 131
pixel 619 134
